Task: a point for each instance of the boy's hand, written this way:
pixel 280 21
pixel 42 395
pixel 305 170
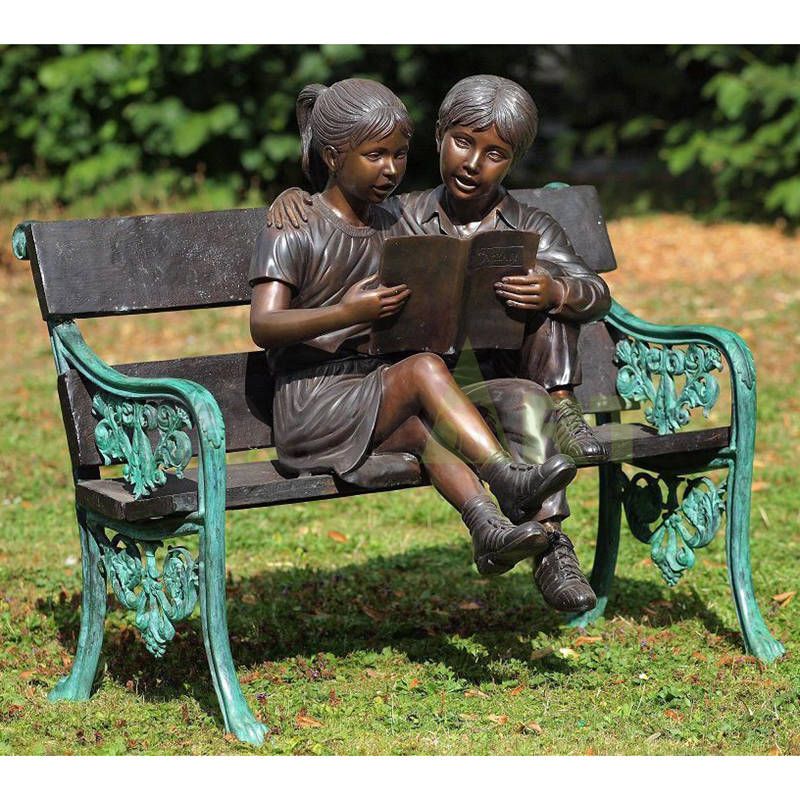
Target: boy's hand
pixel 289 206
pixel 536 291
pixel 364 305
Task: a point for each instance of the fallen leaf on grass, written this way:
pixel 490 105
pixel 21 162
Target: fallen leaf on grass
pixel 567 652
pixel 13 711
pixel 304 721
pixel 543 653
pixel 470 605
pixel 775 751
pixel 661 603
pixel 645 562
pixel 413 683
pixel 527 728
pixel 674 715
pixel 475 693
pixel 738 658
pixel 371 612
pixel 582 640
pixel 27 674
pixel 337 536
pixel 698 656
pixel 759 486
pixel 651 739
pixel 517 690
pixel 499 719
pixel 784 598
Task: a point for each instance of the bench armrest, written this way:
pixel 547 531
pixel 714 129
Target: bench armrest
pixel 198 409
pixel 707 346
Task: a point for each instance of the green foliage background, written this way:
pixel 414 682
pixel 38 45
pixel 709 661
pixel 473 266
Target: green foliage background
pixel 707 129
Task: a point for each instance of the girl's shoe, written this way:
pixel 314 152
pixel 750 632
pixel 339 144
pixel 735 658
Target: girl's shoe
pixel 497 545
pixel 521 489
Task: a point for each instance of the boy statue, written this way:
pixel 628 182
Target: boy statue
pixel 485 124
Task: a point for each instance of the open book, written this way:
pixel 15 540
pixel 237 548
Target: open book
pixel 453 303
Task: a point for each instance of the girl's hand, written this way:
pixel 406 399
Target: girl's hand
pixel 289 206
pixel 536 291
pixel 364 305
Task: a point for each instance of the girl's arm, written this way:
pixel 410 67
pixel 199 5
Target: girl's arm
pixel 273 323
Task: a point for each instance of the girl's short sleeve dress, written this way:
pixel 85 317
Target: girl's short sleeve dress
pixel 327 391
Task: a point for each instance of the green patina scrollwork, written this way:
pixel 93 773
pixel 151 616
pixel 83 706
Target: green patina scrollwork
pixel 122 434
pixel 162 598
pixel 669 409
pixel 682 526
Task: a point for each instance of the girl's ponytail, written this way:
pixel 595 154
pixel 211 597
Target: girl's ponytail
pixel 313 166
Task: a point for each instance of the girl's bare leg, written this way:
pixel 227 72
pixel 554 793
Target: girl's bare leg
pixel 454 480
pixel 422 386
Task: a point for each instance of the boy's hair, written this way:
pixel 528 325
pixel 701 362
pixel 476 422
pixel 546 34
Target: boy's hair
pixel 342 116
pixel 480 101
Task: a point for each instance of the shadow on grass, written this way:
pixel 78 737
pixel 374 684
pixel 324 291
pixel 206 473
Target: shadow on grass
pixel 426 603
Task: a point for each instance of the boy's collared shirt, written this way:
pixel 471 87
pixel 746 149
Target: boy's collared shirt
pixel 586 295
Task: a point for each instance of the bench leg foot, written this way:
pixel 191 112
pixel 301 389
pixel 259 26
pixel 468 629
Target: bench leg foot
pixel 78 684
pixel 238 718
pixel 757 639
pixel 605 556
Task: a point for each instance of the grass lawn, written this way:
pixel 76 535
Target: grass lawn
pixel 360 626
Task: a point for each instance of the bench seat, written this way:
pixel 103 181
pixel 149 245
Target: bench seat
pixel 262 484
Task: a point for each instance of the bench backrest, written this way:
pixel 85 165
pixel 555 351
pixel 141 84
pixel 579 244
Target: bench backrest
pixel 128 265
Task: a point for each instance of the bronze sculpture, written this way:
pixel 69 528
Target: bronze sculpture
pixel 311 308
pixel 485 122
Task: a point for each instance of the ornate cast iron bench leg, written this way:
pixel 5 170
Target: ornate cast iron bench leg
pixel 78 684
pixel 675 527
pixel 239 720
pixel 129 407
pixel 605 556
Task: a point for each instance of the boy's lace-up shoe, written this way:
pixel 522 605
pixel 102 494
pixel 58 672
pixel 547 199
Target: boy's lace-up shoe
pixel 558 576
pixel 573 436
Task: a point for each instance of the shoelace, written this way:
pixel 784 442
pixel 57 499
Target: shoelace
pixel 572 419
pixel 564 555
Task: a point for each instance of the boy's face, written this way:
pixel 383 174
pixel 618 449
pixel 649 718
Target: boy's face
pixel 473 163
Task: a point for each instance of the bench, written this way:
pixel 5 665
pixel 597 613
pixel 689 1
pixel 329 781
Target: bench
pixel 155 417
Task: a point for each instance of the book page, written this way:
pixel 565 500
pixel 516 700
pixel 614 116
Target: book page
pixel 486 321
pixel 433 268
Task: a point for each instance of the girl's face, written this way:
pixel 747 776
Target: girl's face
pixel 372 170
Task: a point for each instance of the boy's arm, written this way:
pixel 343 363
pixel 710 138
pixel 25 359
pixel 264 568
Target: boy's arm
pixel 289 207
pixel 585 295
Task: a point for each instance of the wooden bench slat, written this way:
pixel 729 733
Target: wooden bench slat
pixel 577 209
pixel 242 385
pixel 248 485
pixel 160 262
pixel 240 382
pixel 630 443
pixel 260 484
